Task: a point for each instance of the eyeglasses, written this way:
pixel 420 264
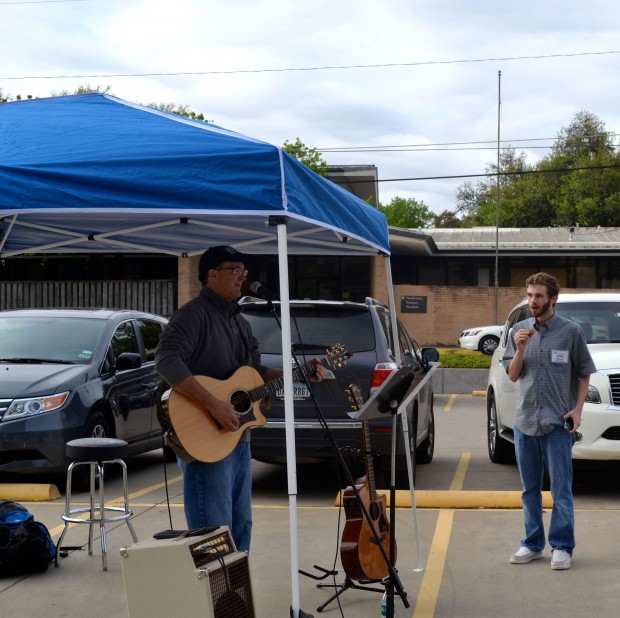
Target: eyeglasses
pixel 237 270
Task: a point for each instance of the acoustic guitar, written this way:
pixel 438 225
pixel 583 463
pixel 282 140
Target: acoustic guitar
pixel 202 436
pixel 360 554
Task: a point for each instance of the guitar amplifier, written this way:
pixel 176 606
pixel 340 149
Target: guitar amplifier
pixel 191 576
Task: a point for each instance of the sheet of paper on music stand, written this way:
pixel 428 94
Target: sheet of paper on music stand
pixel 399 385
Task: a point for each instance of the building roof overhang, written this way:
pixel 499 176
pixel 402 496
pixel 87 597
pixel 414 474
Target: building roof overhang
pixel 477 241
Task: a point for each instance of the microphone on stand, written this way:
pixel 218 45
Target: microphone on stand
pixel 261 291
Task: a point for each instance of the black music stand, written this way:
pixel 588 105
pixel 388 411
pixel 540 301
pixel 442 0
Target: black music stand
pixel 397 391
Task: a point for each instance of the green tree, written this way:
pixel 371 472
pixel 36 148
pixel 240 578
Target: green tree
pixel 477 202
pixel 180 110
pixel 5 98
pixel 585 196
pixel 407 213
pixel 310 157
pixel 555 191
pixel 83 89
pixel 172 108
pixel 448 218
pixel 585 137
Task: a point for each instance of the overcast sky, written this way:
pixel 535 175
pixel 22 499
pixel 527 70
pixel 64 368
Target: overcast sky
pixel 277 70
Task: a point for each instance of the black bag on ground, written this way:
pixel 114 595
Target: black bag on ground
pixel 25 545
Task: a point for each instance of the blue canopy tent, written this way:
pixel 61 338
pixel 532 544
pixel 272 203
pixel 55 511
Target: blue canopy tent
pixel 92 173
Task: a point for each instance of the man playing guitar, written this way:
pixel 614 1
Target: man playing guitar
pixel 208 337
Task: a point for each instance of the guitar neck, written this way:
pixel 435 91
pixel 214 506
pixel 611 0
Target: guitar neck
pixel 271 387
pixel 370 468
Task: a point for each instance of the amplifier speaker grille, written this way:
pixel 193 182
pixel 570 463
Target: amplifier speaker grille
pixel 231 591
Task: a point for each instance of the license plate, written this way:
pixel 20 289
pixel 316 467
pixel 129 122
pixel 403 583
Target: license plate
pixel 300 392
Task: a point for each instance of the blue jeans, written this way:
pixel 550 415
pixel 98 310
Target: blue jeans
pixel 554 449
pixel 220 494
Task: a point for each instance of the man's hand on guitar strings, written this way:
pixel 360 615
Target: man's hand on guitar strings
pixel 224 414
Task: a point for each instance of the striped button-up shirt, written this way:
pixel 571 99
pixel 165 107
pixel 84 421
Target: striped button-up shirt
pixel 555 357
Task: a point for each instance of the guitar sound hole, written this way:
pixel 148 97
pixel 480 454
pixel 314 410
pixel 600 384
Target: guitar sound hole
pixel 241 401
pixel 374 510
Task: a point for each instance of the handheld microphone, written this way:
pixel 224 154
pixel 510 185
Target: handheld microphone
pixel 261 291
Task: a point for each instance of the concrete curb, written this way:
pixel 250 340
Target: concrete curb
pixel 28 492
pixel 437 499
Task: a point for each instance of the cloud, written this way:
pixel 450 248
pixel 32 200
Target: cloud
pixel 441 86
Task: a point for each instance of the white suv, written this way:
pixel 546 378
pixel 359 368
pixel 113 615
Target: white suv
pixel 599 316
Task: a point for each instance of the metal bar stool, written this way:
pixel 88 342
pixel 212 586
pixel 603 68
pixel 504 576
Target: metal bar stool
pixel 95 452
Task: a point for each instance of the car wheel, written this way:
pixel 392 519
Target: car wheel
pixel 96 427
pixel 426 450
pixel 500 451
pixel 488 344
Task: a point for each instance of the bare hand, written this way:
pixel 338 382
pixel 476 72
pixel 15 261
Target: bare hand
pixel 320 371
pixel 575 416
pixel 224 413
pixel 522 336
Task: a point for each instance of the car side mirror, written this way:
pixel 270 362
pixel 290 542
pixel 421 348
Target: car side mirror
pixel 128 360
pixel 429 355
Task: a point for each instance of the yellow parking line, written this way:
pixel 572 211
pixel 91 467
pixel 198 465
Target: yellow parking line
pixel 429 590
pixel 151 488
pixel 431 583
pixel 448 406
pixel 461 471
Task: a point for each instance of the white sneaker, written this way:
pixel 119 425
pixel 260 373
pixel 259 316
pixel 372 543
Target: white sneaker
pixel 560 560
pixel 524 555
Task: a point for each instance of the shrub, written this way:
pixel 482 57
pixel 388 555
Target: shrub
pixel 457 358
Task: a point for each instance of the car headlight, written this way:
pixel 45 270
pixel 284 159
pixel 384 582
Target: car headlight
pixel 593 395
pixel 21 408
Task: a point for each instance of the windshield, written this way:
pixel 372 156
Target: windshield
pixel 600 321
pixel 314 329
pixel 49 339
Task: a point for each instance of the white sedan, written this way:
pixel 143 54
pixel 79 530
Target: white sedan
pixel 481 338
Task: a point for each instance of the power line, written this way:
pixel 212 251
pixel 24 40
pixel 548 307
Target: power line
pixel 504 141
pixel 47 1
pixel 420 149
pixel 471 145
pixel 488 174
pixel 318 68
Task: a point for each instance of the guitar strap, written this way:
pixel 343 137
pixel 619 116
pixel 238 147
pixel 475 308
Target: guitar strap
pixel 241 326
pixel 255 362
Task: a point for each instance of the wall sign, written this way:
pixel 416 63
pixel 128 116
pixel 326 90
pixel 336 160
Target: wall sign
pixel 413 304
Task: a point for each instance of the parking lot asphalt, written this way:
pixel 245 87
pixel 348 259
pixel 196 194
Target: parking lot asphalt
pixel 460 569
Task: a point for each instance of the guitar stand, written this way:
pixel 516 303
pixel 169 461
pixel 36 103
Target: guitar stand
pixel 340 588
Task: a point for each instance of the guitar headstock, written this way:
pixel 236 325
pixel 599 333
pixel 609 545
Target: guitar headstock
pixel 355 396
pixel 337 355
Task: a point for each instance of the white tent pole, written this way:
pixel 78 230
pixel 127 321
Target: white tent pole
pixel 402 412
pixel 289 414
pixel 392 304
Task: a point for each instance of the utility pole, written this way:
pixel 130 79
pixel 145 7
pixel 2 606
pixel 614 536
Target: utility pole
pixel 499 114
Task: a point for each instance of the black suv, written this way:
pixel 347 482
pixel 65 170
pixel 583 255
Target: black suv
pixel 365 330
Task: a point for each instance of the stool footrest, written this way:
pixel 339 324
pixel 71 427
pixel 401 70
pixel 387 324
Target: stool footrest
pixel 70 516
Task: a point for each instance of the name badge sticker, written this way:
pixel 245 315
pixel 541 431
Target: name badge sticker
pixel 559 356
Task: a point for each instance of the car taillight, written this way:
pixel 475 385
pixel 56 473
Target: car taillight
pixel 380 374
